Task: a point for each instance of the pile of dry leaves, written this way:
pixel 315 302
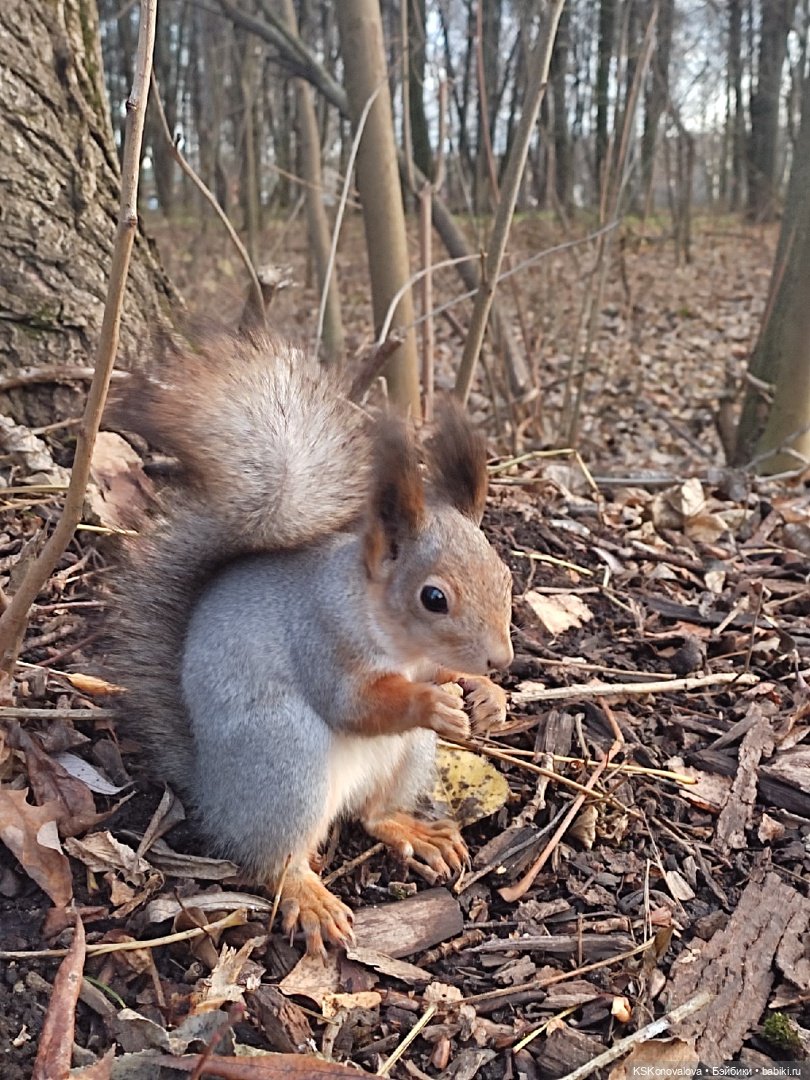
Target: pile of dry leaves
pixel 640 829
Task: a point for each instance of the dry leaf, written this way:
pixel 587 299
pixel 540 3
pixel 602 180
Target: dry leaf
pixel 55 1050
pixel 469 786
pixel 89 684
pixel 365 999
pixel 30 833
pixel 559 612
pixel 657 1058
pixel 119 490
pixel 102 852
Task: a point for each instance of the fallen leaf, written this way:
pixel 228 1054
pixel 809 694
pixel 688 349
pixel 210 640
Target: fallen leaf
pixel 468 787
pixel 102 852
pixel 55 1049
pixel 119 489
pixel 657 1057
pixel 365 999
pixel 558 612
pixel 30 833
pixel 88 774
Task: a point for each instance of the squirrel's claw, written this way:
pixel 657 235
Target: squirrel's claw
pixel 448 718
pixel 486 702
pixel 307 903
pixel 437 843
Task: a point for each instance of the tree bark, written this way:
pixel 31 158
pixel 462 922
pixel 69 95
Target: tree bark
pixel 782 355
pixel 657 97
pixel 60 184
pixel 361 39
pixel 777 16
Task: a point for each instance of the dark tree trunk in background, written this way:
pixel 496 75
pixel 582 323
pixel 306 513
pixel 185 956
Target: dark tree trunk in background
pixel 420 136
pixel 736 118
pixel 563 156
pixel 607 33
pixel 657 96
pixel 763 145
pixel 490 50
pixel 59 192
pixel 165 62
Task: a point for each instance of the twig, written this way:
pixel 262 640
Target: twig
pixel 602 690
pixel 15 618
pixel 210 198
pixel 101 948
pixel 391 1061
pixel 563 976
pixel 538 66
pixel 341 210
pixel 519 889
pixel 650 1031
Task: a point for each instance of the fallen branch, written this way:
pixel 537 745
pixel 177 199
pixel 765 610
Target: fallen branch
pixel 602 690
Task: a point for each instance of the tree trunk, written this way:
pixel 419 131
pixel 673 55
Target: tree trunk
pixel 60 177
pixel 420 135
pixel 736 106
pixel 317 222
pixel 777 16
pixel 378 183
pixel 563 155
pixel 607 32
pixel 657 97
pixel 782 355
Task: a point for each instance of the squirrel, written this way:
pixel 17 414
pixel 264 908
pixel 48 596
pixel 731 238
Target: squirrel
pixel 287 620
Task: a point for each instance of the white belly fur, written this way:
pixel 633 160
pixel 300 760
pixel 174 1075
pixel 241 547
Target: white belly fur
pixel 358 766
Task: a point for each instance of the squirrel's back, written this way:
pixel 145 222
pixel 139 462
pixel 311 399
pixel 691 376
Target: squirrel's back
pixel 272 456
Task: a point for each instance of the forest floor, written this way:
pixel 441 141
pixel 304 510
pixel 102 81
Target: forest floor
pixel 640 828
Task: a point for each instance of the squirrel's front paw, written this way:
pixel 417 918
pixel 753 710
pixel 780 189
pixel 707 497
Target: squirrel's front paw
pixel 447 715
pixel 486 702
pixel 306 902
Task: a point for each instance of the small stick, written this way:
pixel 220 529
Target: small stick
pixel 352 864
pixel 235 918
pixel 391 1061
pixel 650 1031
pixel 19 712
pixel 520 888
pixel 562 976
pixel 602 690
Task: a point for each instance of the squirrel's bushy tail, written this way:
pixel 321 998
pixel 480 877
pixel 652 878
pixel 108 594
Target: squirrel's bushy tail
pixel 272 456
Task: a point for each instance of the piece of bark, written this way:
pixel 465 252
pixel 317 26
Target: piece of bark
pixel 737 814
pixel 409 926
pixel 283 1022
pixel 564 1050
pixel 736 965
pixel 771 790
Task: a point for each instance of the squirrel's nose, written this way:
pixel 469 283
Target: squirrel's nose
pixel 502 656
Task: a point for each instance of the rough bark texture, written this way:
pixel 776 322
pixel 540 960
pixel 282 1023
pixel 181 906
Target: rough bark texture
pixel 737 965
pixel 777 16
pixel 59 179
pixel 782 354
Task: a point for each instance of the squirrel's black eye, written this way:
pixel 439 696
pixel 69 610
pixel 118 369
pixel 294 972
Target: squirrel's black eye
pixel 433 599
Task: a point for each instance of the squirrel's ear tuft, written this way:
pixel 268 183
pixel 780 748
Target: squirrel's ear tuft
pixel 457 456
pixel 397 507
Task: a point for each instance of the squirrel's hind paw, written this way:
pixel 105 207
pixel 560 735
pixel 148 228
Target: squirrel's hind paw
pixel 306 902
pixel 437 843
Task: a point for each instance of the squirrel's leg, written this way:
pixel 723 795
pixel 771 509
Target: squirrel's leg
pixel 485 700
pixel 386 816
pixel 306 902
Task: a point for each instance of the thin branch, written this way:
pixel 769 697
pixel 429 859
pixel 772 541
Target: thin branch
pixel 539 65
pixel 211 199
pixel 344 195
pixel 15 618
